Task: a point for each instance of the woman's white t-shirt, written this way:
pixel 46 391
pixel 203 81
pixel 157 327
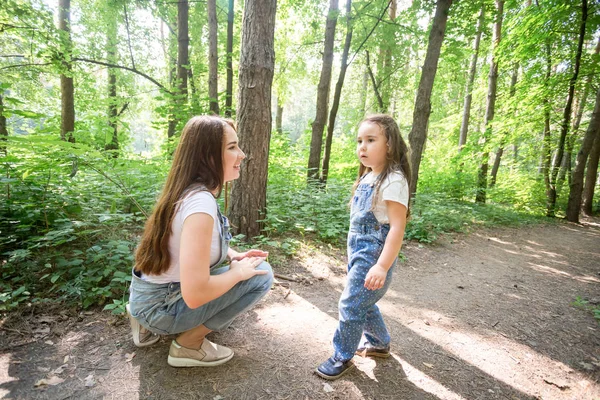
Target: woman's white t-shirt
pixel 195 202
pixel 393 188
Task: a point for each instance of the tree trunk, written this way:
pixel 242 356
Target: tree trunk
pixel 3 127
pixel 257 64
pixel 387 63
pixel 565 166
pixel 213 73
pixel 229 88
pixel 67 120
pixel 318 124
pixel 418 133
pixel 363 92
pixel 491 105
pixel 279 116
pixel 338 93
pixel 500 151
pixel 590 177
pixel 380 104
pixel 111 57
pixel 183 41
pixel 566 116
pixel 464 127
pixel 576 187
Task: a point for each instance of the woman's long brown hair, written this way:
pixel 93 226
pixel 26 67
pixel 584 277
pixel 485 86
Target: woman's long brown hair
pixel 198 162
pixel 397 156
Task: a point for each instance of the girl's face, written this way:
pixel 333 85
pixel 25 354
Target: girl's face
pixel 232 155
pixel 372 147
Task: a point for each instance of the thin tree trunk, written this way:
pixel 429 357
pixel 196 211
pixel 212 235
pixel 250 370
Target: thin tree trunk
pixel 567 115
pixel 111 57
pixel 576 188
pixel 590 177
pixel 213 73
pixel 418 133
pixel 464 127
pixel 500 151
pixel 257 65
pixel 229 88
pixel 363 92
pixel 491 105
pixel 318 124
pixel 566 164
pixel 67 120
pixel 183 41
pixel 546 139
pixel 387 64
pixel 279 116
pixel 375 84
pixel 338 93
pixel 3 127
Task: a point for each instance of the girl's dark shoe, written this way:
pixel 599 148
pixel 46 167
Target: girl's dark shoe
pixel 332 369
pixel 369 351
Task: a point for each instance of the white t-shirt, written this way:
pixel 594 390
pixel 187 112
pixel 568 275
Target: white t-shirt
pixel 393 188
pixel 196 202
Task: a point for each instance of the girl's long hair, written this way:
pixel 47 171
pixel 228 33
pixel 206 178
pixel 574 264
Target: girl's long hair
pixel 397 158
pixel 197 165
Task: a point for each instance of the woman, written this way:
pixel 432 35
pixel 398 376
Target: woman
pixel 178 284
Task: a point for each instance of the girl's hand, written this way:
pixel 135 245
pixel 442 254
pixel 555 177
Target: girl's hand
pixel 246 268
pixel 375 277
pixel 250 253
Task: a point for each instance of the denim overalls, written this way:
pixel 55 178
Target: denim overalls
pixel 358 313
pixel 161 308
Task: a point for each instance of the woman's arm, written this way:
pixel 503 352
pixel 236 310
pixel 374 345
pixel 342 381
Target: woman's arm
pixel 198 286
pixel 393 243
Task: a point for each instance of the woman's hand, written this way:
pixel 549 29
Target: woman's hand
pixel 375 277
pixel 250 253
pixel 246 267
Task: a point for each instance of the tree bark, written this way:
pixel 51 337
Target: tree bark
pixel 576 187
pixel 213 73
pixel 363 92
pixel 183 41
pixel 67 120
pixel 338 93
pixel 590 177
pixel 567 115
pixel 229 87
pixel 464 127
pixel 111 57
pixel 374 83
pixel 3 127
pixel 500 151
pixel 481 194
pixel 257 65
pixel 385 86
pixel 418 133
pixel 279 116
pixel 546 142
pixel 318 124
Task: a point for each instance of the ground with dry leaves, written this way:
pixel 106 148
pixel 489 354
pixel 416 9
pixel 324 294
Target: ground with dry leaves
pixel 487 315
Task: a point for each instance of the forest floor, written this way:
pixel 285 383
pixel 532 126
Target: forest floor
pixel 484 315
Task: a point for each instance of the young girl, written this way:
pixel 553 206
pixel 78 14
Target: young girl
pixel 377 220
pixel 179 285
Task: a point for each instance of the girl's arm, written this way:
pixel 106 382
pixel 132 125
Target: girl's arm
pixel 393 243
pixel 198 286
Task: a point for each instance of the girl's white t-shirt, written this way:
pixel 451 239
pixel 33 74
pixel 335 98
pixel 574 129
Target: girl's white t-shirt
pixel 195 202
pixel 393 188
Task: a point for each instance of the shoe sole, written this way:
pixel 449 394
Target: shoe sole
pixel 373 354
pixel 333 377
pixel 178 362
pixel 135 331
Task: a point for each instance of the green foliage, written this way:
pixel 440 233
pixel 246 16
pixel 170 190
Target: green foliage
pixel 585 305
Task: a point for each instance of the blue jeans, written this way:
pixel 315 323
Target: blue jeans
pixel 358 312
pixel 161 309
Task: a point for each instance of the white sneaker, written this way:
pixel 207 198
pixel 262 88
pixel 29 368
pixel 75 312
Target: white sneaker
pixel 142 337
pixel 209 355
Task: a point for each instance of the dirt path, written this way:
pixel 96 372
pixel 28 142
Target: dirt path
pixel 480 316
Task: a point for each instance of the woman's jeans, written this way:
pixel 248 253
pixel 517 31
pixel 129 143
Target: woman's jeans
pixel 161 309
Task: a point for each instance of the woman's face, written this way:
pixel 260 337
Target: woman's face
pixel 232 155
